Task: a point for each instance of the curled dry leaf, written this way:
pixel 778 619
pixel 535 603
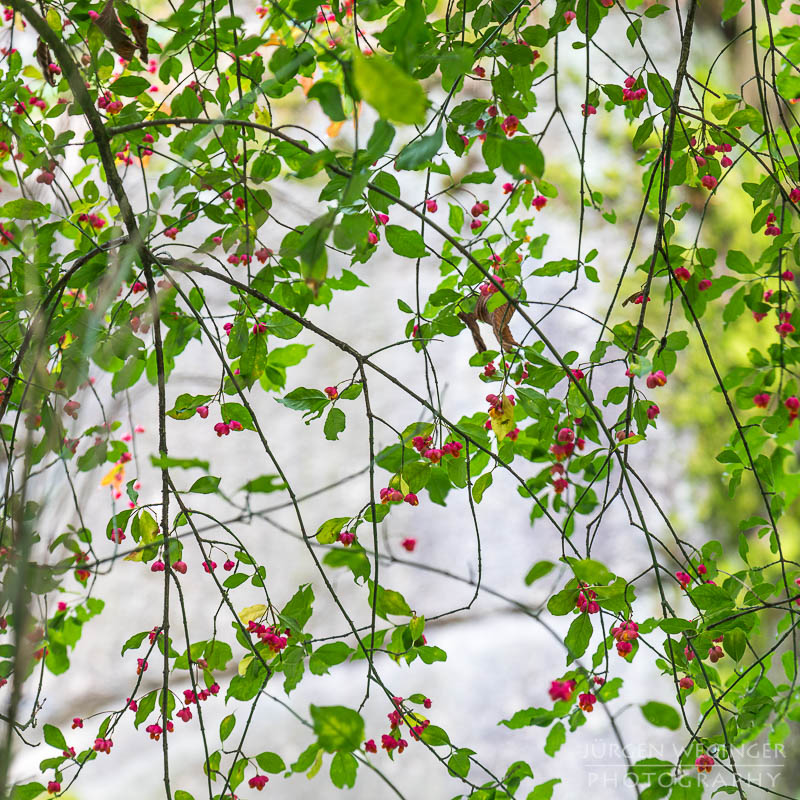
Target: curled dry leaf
pixel 139 31
pixel 44 60
pixel 633 298
pixel 498 319
pixel 469 319
pixel 112 29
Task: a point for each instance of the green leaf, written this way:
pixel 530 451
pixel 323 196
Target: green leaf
pixel 562 602
pixel 169 462
pixel 237 773
pixel 522 157
pixel 660 89
pixel 288 356
pixel 389 602
pixel 592 572
pixel 394 94
pixel 329 530
pixel 538 570
pixel 226 727
pixel 735 643
pixel 429 654
pixel 544 791
pixel 642 133
pixel 27 791
pixel 327 656
pixel 731 8
pixel 653 771
pixel 739 262
pixel 54 737
pixel 264 484
pixel 353 557
pixel 480 486
pixel 208 484
pixel 187 404
pixel 578 637
pixel 298 610
pixel 661 715
pixel 435 736
pixel 302 399
pixel 724 107
pixel 337 728
pixel 270 762
pixel 710 598
pixel 420 151
pixel 405 242
pixel 541 717
pixel 379 141
pixel 676 625
pixel 334 424
pixel 343 770
pixel 134 641
pixel 130 86
pixel 246 687
pixel 352 391
pixel 23 208
pixel 180 794
pixel 329 98
pixel 459 763
pixel 146 706
pixel 555 738
pixel 479 177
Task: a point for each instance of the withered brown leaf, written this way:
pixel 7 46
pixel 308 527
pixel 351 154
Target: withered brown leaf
pixel 44 60
pixel 470 321
pixel 498 319
pixel 632 299
pixel 112 29
pixel 139 31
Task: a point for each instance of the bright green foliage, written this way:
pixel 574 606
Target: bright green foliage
pixel 146 158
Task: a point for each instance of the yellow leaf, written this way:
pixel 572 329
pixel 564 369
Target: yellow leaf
pixel 115 475
pixel 413 718
pixel 263 117
pixel 148 533
pixel 148 527
pixel 244 664
pixel 503 419
pixel 316 766
pixel 164 108
pixel 274 41
pixel 252 613
pixel 334 128
pixel 54 20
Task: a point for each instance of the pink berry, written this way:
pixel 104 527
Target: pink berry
pixel 566 436
pixel 761 400
pixel 709 181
